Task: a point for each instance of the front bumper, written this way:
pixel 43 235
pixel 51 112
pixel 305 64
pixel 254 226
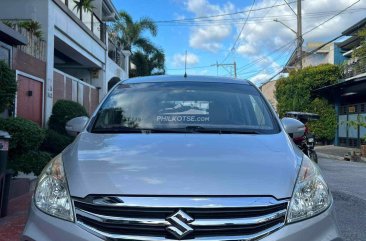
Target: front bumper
pixel 42 227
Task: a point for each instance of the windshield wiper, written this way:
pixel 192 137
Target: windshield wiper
pixel 123 129
pixel 116 130
pixel 200 129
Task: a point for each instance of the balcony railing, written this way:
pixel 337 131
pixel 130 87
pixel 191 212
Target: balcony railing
pixel 354 67
pixel 115 53
pixel 90 20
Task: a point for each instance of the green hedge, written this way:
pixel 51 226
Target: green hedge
pixel 62 112
pixel 55 142
pixel 26 138
pixel 8 86
pixel 33 161
pixel 25 135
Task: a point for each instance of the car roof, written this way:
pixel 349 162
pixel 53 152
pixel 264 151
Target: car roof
pixel 177 78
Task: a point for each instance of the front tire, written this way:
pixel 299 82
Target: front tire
pixel 313 156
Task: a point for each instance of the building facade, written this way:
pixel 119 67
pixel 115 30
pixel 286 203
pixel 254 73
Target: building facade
pixel 79 56
pixel 349 94
pixel 329 54
pixel 269 90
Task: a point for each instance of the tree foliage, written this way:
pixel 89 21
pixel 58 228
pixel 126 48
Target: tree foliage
pixel 360 51
pixel 62 112
pixel 148 63
pixel 325 127
pixel 33 27
pixel 148 59
pixel 8 86
pixel 84 5
pixel 294 93
pixel 130 33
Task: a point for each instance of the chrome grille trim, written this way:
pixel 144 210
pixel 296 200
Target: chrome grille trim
pixel 213 218
pixel 181 202
pixel 195 223
pixel 150 238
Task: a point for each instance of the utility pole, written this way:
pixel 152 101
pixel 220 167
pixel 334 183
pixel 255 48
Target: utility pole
pixel 299 39
pixel 223 65
pixel 299 35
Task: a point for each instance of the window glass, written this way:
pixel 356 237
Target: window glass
pixel 87 19
pixel 180 105
pixel 96 26
pixel 5 55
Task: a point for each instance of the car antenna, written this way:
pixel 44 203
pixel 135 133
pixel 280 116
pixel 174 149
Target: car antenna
pixel 185 66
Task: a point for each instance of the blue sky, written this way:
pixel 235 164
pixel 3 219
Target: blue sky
pixel 263 46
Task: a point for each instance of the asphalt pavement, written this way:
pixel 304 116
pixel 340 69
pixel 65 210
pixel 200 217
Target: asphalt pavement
pixel 347 182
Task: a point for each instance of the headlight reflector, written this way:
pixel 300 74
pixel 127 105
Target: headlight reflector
pixel 311 194
pixel 52 194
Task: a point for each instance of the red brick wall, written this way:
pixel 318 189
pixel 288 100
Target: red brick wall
pixel 62 90
pixel 68 89
pixel 86 102
pixel 58 87
pixel 94 99
pixel 28 64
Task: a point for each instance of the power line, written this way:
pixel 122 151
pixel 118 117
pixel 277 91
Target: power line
pixel 241 31
pixel 316 49
pixel 304 56
pixel 283 53
pixel 342 11
pixel 263 58
pixel 195 67
pixel 221 15
pixel 283 17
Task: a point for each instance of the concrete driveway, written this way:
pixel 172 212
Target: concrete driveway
pixel 347 181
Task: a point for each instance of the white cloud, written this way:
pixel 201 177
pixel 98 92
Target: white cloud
pixel 209 36
pixel 262 35
pixel 179 59
pixel 266 35
pixel 259 78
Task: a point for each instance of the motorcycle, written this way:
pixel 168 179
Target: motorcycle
pixel 306 142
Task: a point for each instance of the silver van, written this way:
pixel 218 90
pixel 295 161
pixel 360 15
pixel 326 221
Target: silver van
pixel 182 158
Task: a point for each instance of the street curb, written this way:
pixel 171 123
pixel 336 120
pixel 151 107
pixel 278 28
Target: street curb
pixel 328 156
pixel 323 155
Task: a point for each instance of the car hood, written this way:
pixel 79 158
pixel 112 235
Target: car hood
pixel 182 164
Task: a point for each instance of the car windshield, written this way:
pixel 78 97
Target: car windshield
pixel 184 107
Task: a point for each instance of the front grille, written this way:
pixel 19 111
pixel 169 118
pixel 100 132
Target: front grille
pixel 147 218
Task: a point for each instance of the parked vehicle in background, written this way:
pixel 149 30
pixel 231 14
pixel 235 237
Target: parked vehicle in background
pixel 306 142
pixel 182 158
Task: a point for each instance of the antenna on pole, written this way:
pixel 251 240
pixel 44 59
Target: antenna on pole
pixel 185 66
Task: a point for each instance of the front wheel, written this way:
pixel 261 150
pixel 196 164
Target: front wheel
pixel 313 156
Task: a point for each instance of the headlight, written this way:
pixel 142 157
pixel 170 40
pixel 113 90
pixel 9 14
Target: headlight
pixel 311 194
pixel 52 194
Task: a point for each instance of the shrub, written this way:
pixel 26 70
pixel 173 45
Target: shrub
pixel 326 126
pixel 294 93
pixel 33 161
pixel 8 86
pixel 62 112
pixel 55 142
pixel 25 135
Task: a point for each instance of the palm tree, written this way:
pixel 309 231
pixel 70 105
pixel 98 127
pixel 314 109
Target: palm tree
pixel 152 63
pixel 149 60
pixel 86 5
pixel 130 32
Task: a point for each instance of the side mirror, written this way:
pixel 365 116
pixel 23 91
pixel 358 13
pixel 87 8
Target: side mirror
pixel 76 125
pixel 293 127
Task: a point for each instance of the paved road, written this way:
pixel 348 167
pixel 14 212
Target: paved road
pixel 347 181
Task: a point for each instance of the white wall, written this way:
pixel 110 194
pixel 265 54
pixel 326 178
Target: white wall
pixel 26 9
pixel 72 34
